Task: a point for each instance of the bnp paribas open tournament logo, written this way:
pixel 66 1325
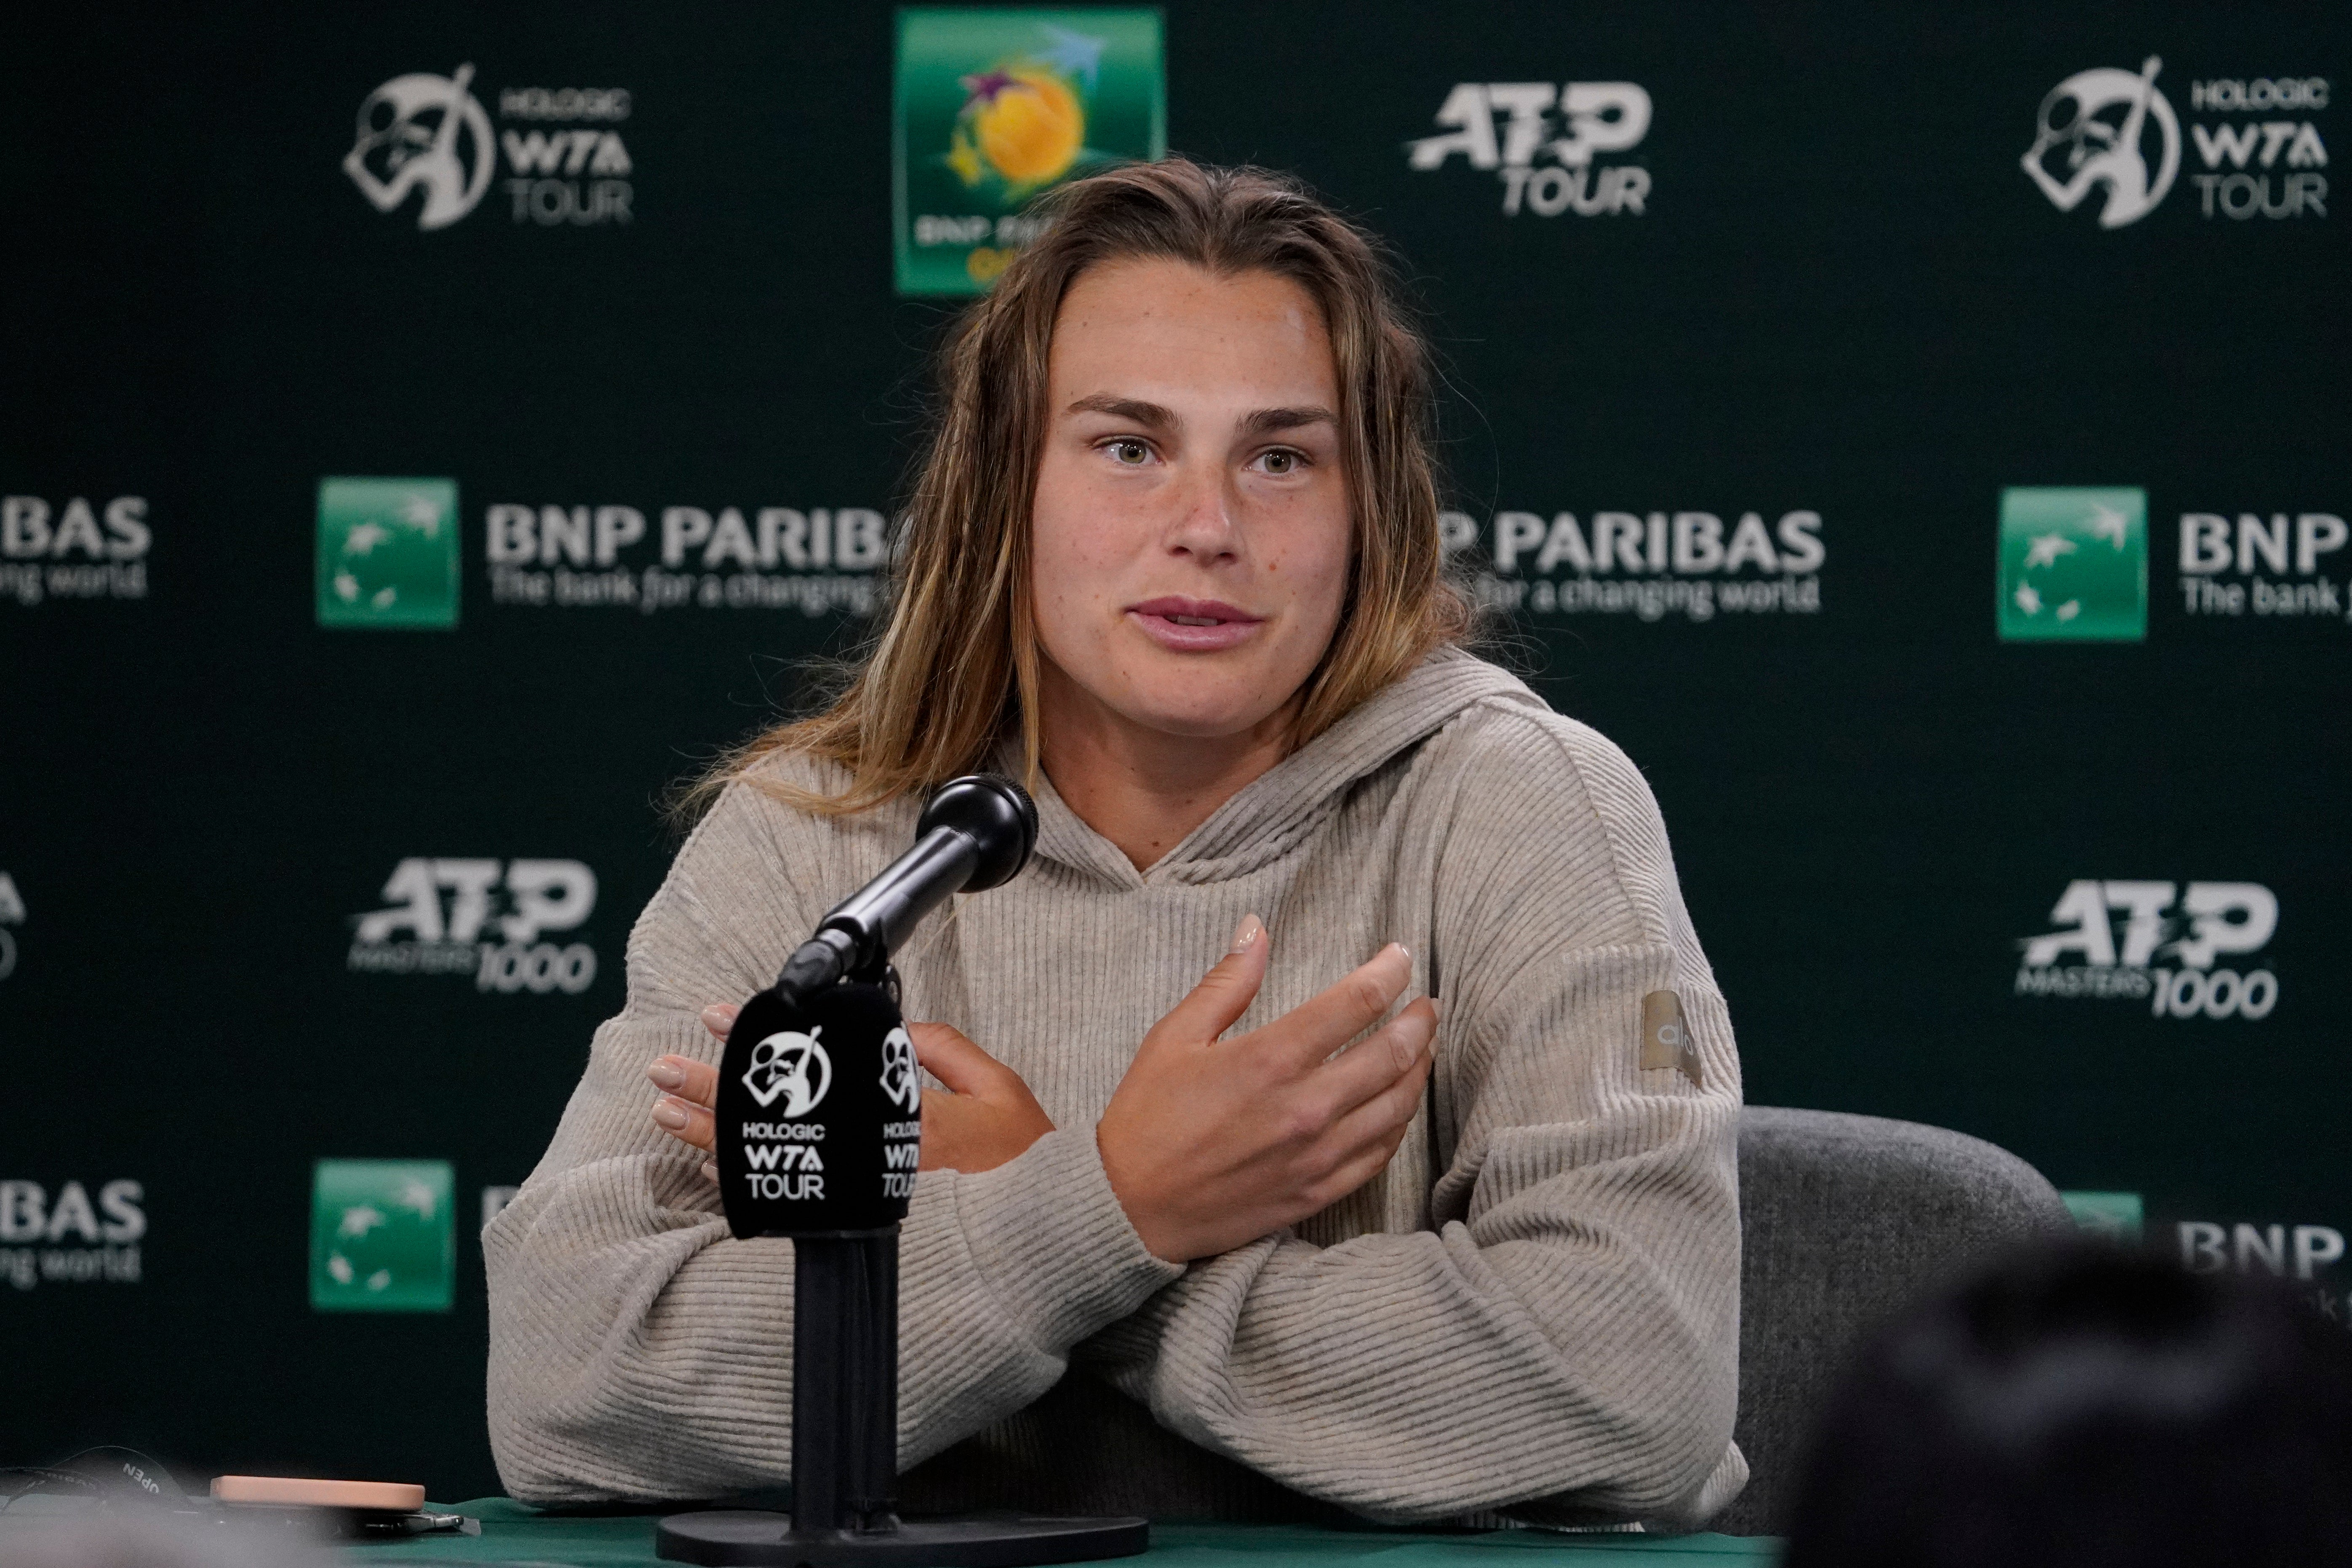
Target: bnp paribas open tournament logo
pixel 2073 564
pixel 384 1236
pixel 994 107
pixel 387 553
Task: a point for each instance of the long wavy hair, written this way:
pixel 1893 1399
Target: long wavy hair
pixel 954 669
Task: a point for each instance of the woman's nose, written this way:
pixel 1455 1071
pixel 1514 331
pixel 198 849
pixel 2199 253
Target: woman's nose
pixel 1205 526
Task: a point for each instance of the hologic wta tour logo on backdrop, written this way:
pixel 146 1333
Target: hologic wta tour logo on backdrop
pixel 387 554
pixel 1693 566
pixel 2112 135
pixel 2072 565
pixel 992 106
pixel 1546 144
pixel 2165 944
pixel 384 1236
pixel 77 549
pixel 428 136
pixel 484 918
pixel 58 1236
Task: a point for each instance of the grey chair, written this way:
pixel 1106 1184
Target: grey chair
pixel 1846 1219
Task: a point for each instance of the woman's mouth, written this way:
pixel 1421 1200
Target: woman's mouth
pixel 1194 625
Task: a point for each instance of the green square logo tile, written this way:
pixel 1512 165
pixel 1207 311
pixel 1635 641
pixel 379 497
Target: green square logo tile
pixel 2072 565
pixel 2113 1216
pixel 388 552
pixel 384 1236
pixel 992 106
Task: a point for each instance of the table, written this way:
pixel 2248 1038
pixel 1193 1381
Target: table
pixel 521 1537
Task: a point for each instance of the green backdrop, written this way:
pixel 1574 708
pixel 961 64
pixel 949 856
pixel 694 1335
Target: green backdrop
pixel 1771 373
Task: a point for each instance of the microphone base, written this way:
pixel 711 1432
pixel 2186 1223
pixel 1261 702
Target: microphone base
pixel 968 1540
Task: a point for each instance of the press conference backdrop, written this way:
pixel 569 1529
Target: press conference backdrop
pixel 1920 441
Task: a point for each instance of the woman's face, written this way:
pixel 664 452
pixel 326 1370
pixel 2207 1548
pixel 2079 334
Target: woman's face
pixel 1192 536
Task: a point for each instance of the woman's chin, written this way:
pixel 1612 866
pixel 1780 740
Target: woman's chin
pixel 1197 716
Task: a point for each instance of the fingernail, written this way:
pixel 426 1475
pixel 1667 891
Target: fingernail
pixel 1244 934
pixel 667 1074
pixel 669 1115
pixel 719 1017
pixel 710 1169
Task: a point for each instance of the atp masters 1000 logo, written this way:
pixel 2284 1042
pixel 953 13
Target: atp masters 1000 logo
pixel 2188 949
pixel 994 107
pixel 483 918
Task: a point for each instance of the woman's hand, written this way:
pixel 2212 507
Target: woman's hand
pixel 990 1116
pixel 1209 1145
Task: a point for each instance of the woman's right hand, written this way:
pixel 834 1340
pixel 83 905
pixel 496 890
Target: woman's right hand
pixel 1211 1143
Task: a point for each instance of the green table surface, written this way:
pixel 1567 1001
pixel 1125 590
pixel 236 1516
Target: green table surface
pixel 514 1534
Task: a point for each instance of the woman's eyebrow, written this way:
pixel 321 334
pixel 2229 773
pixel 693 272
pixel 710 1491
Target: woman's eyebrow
pixel 1266 421
pixel 1152 415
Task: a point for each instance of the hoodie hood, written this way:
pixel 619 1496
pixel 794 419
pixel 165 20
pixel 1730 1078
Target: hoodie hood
pixel 1274 812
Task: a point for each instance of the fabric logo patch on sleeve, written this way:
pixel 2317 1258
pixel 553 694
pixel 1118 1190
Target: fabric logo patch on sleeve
pixel 1666 1039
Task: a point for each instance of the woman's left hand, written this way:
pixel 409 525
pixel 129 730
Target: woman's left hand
pixel 988 1118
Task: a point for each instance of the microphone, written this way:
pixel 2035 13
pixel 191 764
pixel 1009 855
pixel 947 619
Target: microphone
pixel 817 1132
pixel 976 833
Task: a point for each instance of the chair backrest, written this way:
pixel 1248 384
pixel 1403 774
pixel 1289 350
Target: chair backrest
pixel 1845 1220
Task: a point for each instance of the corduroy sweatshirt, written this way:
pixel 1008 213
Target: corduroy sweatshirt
pixel 1532 1313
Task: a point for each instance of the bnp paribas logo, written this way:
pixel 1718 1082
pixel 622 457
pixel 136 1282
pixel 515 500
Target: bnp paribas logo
pixel 387 553
pixel 2073 564
pixel 384 1236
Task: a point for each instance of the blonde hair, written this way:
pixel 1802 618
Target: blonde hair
pixel 955 668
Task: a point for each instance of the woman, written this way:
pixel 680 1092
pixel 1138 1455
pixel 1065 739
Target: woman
pixel 1174 556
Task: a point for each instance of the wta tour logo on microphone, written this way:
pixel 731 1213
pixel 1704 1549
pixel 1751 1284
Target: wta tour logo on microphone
pixel 790 1066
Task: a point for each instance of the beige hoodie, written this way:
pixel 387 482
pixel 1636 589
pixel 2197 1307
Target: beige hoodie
pixel 1532 1313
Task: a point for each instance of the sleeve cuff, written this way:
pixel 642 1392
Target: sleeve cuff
pixel 1049 1238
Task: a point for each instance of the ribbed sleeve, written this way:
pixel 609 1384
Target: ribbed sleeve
pixel 1561 1343
pixel 639 1351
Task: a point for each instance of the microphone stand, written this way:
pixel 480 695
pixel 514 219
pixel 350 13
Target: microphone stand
pixel 829 1035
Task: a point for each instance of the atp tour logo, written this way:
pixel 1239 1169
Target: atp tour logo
pixel 792 1065
pixel 430 133
pixel 900 1081
pixel 446 912
pixel 2172 939
pixel 1571 126
pixel 2112 133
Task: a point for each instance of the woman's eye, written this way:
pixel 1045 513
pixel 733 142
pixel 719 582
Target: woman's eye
pixel 1127 453
pixel 1280 462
